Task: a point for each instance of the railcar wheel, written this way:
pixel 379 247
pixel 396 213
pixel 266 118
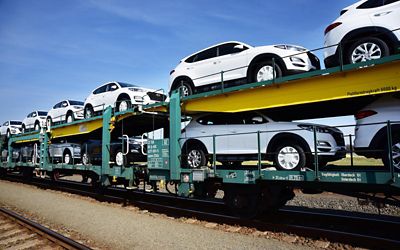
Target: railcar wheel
pixel 243 201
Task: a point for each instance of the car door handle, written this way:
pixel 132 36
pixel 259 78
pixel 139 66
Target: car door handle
pixel 382 13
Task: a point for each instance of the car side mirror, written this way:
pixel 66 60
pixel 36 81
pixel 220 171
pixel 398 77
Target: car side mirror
pixel 239 47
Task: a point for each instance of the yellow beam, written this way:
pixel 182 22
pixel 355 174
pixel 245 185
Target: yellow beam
pixel 77 129
pixel 378 79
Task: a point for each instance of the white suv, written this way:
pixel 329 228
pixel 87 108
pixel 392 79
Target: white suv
pixel 240 64
pixel 34 120
pixel 10 128
pixel 371 138
pixel 289 145
pixel 366 30
pixel 66 110
pixel 120 96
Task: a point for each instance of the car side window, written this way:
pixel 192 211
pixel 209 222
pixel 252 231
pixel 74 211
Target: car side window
pixel 5 124
pixel 229 48
pixel 34 114
pixel 371 4
pixel 390 1
pixel 64 104
pixel 112 87
pixel 101 89
pixel 207 54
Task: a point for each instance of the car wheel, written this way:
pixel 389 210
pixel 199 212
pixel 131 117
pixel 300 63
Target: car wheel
pixel 49 122
pixel 195 158
pixel 123 105
pixel 23 128
pixel 290 156
pixel 88 112
pixel 85 159
pixel 369 48
pixel 120 158
pixel 265 72
pixel 185 88
pixel 37 126
pixel 69 118
pixel 8 135
pixel 395 151
pixel 67 157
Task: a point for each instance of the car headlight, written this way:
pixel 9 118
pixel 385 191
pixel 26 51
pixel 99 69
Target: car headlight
pixel 291 47
pixel 308 127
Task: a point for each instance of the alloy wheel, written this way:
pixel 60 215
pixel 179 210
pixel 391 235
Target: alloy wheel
pixel 288 158
pixel 365 52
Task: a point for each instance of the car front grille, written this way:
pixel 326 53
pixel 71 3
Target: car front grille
pixel 156 96
pixel 314 60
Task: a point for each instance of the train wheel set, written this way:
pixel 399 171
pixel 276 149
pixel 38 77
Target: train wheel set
pixel 248 190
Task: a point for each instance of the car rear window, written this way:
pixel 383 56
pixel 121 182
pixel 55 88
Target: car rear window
pixel 375 3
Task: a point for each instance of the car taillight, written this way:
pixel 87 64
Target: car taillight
pixel 364 114
pixel 331 27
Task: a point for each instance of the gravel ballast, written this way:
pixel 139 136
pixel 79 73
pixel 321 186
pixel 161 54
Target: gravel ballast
pixel 116 227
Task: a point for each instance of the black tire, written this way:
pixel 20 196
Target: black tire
pixel 49 122
pixel 119 158
pixel 381 50
pixel 266 65
pixel 69 118
pixel 195 157
pixel 123 101
pixel 289 156
pixel 86 159
pixel 88 112
pixel 8 135
pixel 37 126
pixel 185 87
pixel 67 157
pixel 395 151
pixel 23 128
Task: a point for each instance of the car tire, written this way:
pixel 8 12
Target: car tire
pixel 67 157
pixel 49 122
pixel 123 104
pixel 23 128
pixel 289 156
pixel 8 135
pixel 376 47
pixel 395 151
pixel 185 87
pixel 195 158
pixel 265 71
pixel 120 159
pixel 70 118
pixel 85 159
pixel 37 126
pixel 88 112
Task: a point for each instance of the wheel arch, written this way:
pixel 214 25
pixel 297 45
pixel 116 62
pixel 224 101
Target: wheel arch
pixel 380 138
pixel 194 142
pixel 263 57
pixel 177 80
pixel 277 140
pixel 374 31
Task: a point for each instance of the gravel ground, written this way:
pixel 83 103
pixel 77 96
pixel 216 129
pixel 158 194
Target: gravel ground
pixel 111 226
pixel 340 202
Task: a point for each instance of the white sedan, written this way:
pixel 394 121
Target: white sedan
pixel 121 96
pixel 67 111
pixel 34 120
pixel 10 128
pixel 289 145
pixel 237 63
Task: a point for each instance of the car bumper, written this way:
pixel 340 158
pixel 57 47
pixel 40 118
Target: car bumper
pixel 302 63
pixel 331 61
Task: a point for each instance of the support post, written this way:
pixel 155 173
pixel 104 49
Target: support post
pixel 105 150
pixel 174 135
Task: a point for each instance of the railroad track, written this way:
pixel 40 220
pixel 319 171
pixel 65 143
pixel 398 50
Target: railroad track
pixel 357 229
pixel 17 232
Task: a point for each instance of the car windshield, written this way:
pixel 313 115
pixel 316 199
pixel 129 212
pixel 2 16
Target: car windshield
pixel 15 123
pixel 75 103
pixel 126 85
pixel 42 113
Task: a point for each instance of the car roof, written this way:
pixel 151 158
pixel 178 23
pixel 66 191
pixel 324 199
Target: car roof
pixel 218 44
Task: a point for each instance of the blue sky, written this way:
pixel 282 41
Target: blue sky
pixel 51 50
